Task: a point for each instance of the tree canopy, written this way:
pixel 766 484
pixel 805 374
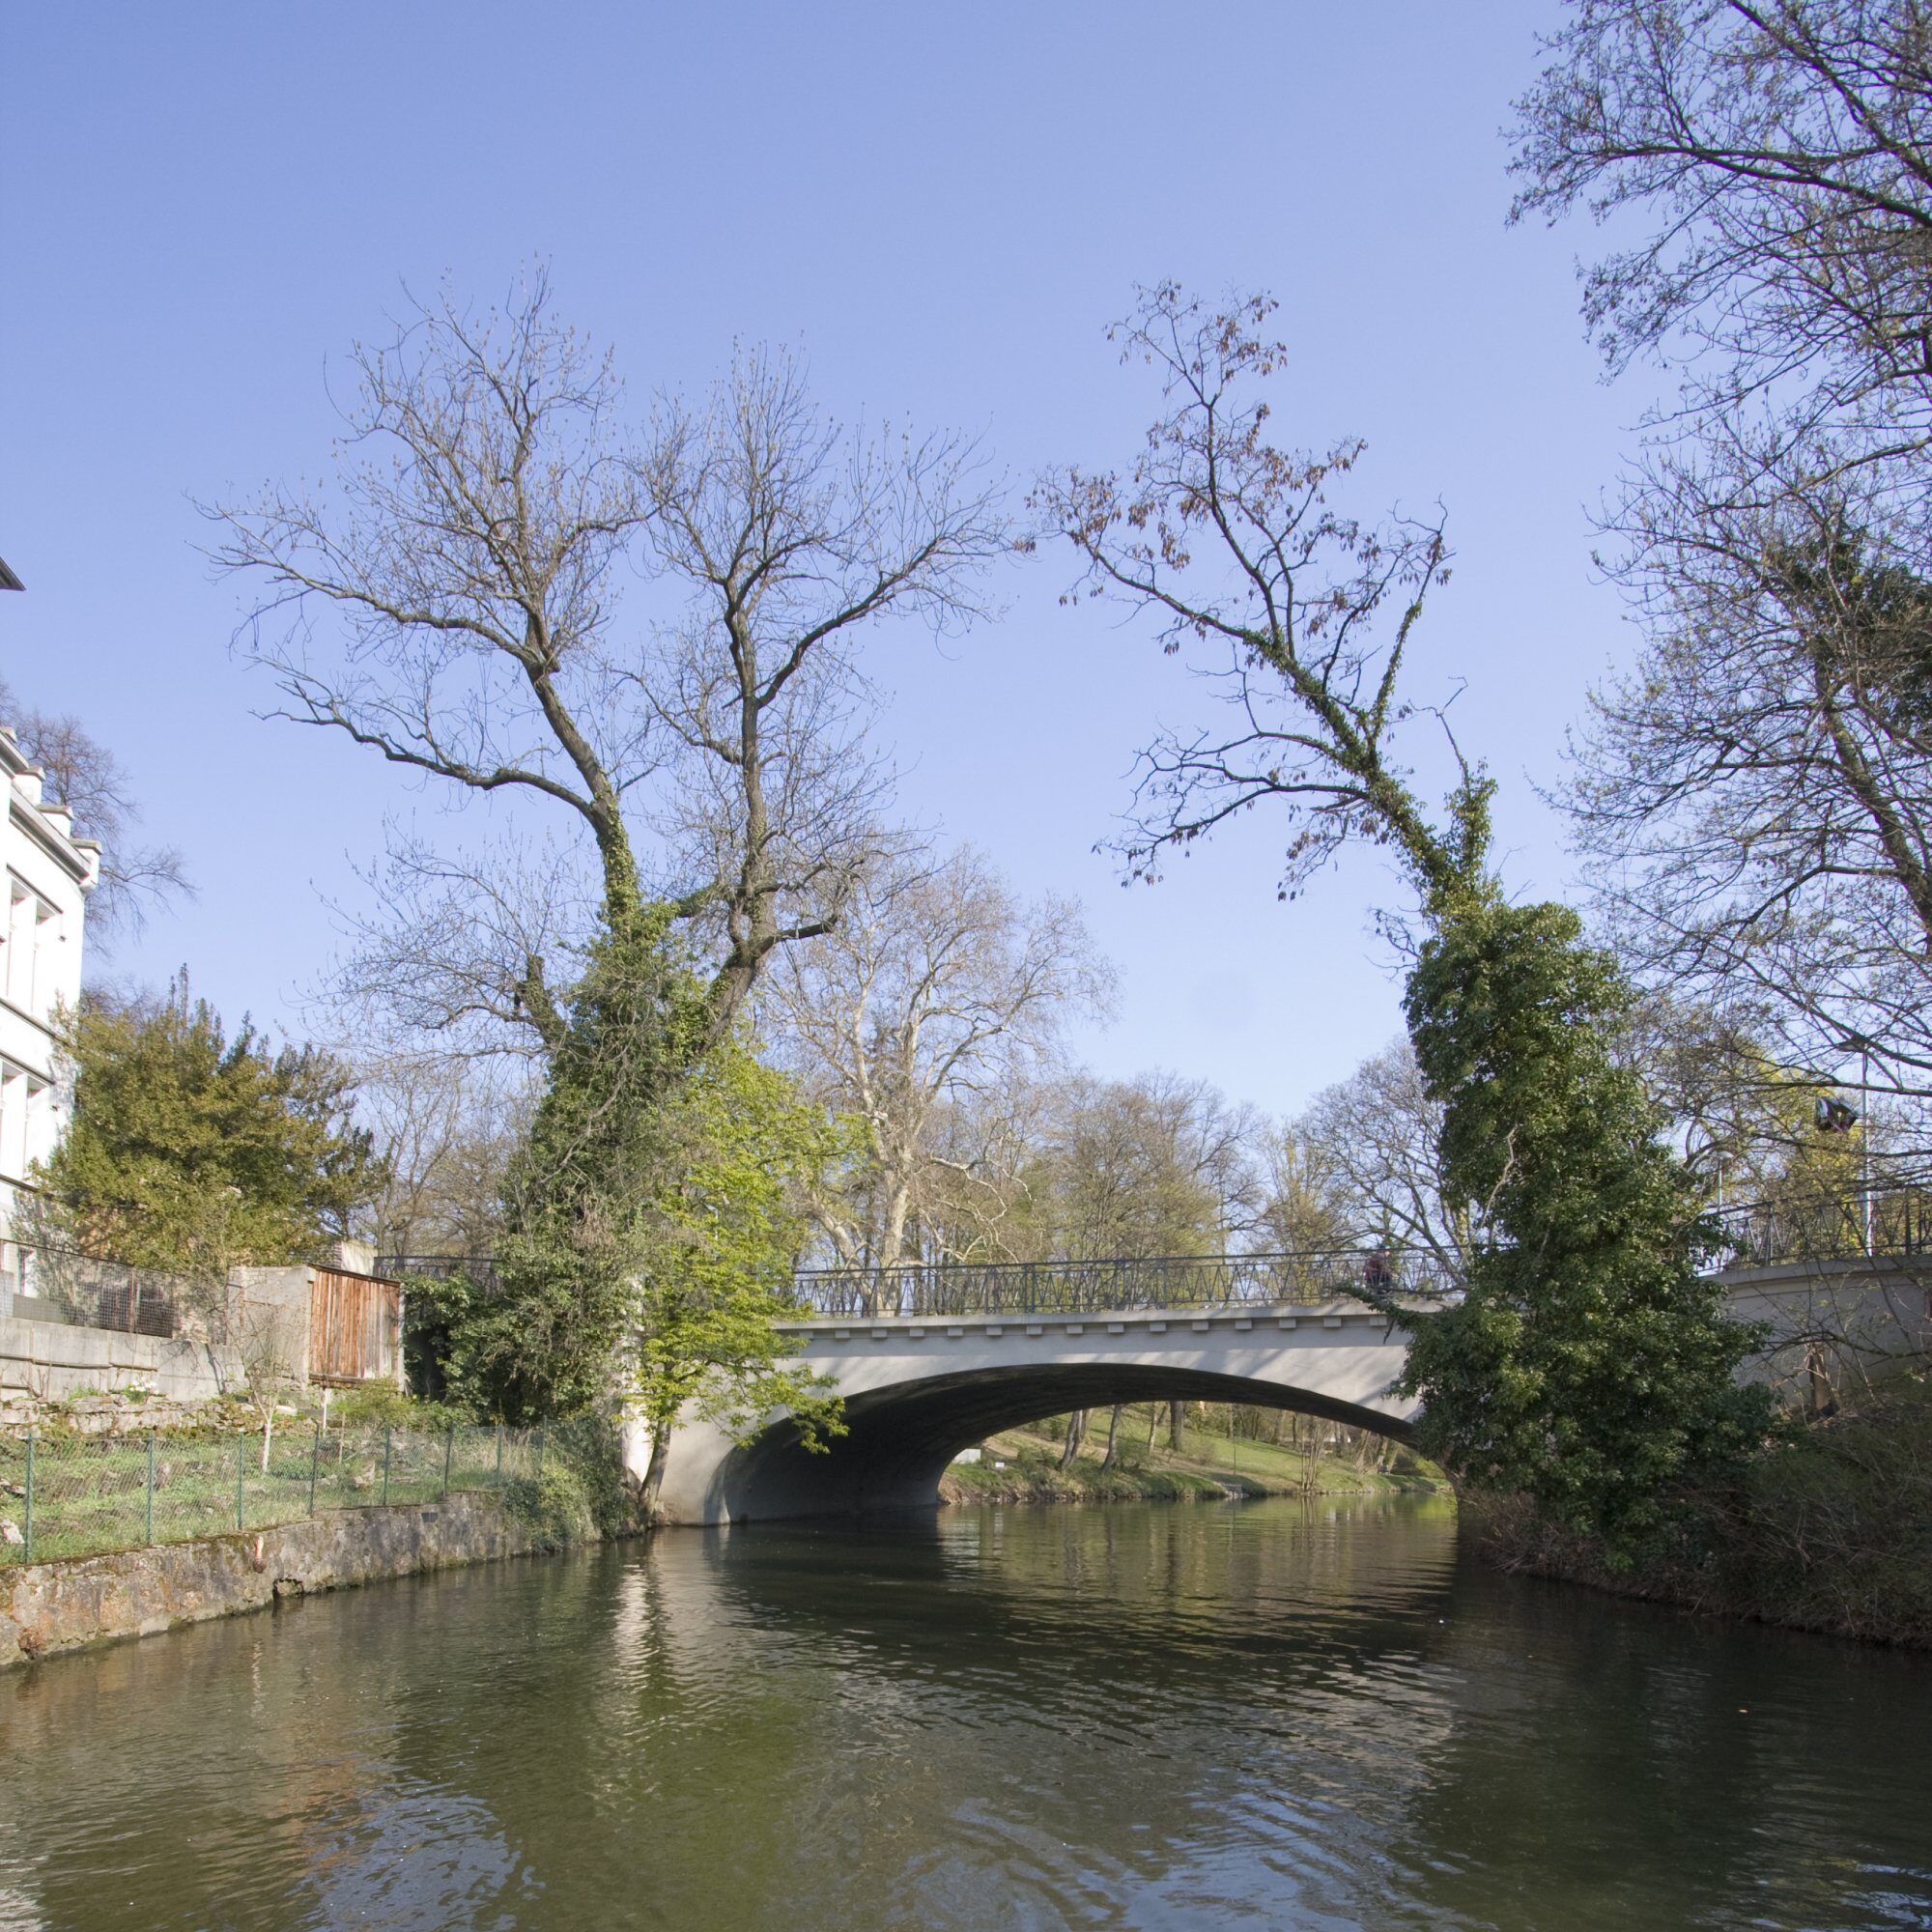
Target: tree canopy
pixel 192 1151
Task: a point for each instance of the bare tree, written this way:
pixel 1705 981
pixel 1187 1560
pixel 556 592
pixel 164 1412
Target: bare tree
pixel 446 1129
pixel 1755 794
pixel 83 774
pixel 937 990
pixel 438 936
pixel 1302 616
pixel 792 534
pixel 1302 1209
pixel 976 1201
pixel 452 604
pixel 1777 156
pixel 1375 1138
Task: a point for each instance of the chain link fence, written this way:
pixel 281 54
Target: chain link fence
pixel 82 1495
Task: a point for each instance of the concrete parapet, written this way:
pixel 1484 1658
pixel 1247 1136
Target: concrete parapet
pixel 1832 1325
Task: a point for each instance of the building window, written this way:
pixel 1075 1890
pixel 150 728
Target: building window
pixel 33 931
pixel 21 907
pixel 40 1129
pixel 14 1124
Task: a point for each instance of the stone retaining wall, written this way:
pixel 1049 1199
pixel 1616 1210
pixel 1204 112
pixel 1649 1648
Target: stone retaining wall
pixel 53 1359
pixel 50 1608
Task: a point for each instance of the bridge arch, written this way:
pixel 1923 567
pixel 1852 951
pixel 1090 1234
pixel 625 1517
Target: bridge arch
pixel 900 1440
pixel 915 1392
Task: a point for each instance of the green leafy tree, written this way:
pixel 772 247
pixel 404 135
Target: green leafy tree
pixel 650 1225
pixel 1154 1165
pixel 1587 1363
pixel 726 1234
pixel 190 1152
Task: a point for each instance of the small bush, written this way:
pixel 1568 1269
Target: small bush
pixel 383 1405
pixel 591 1447
pixel 553 1506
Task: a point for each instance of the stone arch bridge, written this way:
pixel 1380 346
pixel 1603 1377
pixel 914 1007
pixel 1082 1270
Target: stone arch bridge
pixel 917 1390
pixel 930 1360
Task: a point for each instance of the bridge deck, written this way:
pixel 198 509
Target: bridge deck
pixel 1206 1318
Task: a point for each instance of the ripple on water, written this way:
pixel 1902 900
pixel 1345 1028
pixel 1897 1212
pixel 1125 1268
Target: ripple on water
pixel 1146 1717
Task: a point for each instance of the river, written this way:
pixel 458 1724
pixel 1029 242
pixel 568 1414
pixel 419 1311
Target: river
pixel 1277 1714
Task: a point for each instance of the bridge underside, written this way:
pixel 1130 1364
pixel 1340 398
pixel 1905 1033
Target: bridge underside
pixel 900 1438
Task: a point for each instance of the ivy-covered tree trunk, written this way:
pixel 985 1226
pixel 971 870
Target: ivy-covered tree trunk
pixel 600 1150
pixel 1590 1364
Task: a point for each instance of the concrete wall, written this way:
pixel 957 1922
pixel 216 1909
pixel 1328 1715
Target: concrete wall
pixel 53 1360
pixel 48 1350
pixel 1834 1324
pixel 50 1608
pixel 268 1317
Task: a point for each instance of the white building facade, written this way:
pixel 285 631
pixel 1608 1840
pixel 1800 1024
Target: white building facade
pixel 48 874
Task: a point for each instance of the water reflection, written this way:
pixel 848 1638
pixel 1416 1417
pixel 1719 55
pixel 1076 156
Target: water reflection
pixel 1277 1714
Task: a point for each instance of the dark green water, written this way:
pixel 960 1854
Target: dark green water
pixel 1270 1715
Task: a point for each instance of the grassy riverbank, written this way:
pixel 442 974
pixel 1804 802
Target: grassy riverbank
pixel 1209 1469
pixel 1830 1531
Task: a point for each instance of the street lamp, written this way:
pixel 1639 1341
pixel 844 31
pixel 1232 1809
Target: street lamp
pixel 1832 1116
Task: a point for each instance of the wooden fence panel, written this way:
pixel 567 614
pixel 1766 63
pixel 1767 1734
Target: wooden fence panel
pixel 354 1327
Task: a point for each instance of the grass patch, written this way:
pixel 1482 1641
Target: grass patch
pixel 1210 1470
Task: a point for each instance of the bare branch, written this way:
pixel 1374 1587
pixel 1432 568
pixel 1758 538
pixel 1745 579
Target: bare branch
pixel 935 991
pixel 451 603
pixel 1231 543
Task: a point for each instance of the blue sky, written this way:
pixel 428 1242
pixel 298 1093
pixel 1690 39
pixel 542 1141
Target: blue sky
pixel 943 208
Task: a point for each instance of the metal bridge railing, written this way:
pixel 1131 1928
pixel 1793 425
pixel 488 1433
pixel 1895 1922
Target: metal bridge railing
pixel 1885 1224
pixel 1091 1286
pixel 1895 1223
pixel 1068 1287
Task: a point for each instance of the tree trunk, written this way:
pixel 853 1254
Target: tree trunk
pixel 1177 1426
pixel 1113 1437
pixel 653 1483
pixel 1077 1430
pixel 898 1209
